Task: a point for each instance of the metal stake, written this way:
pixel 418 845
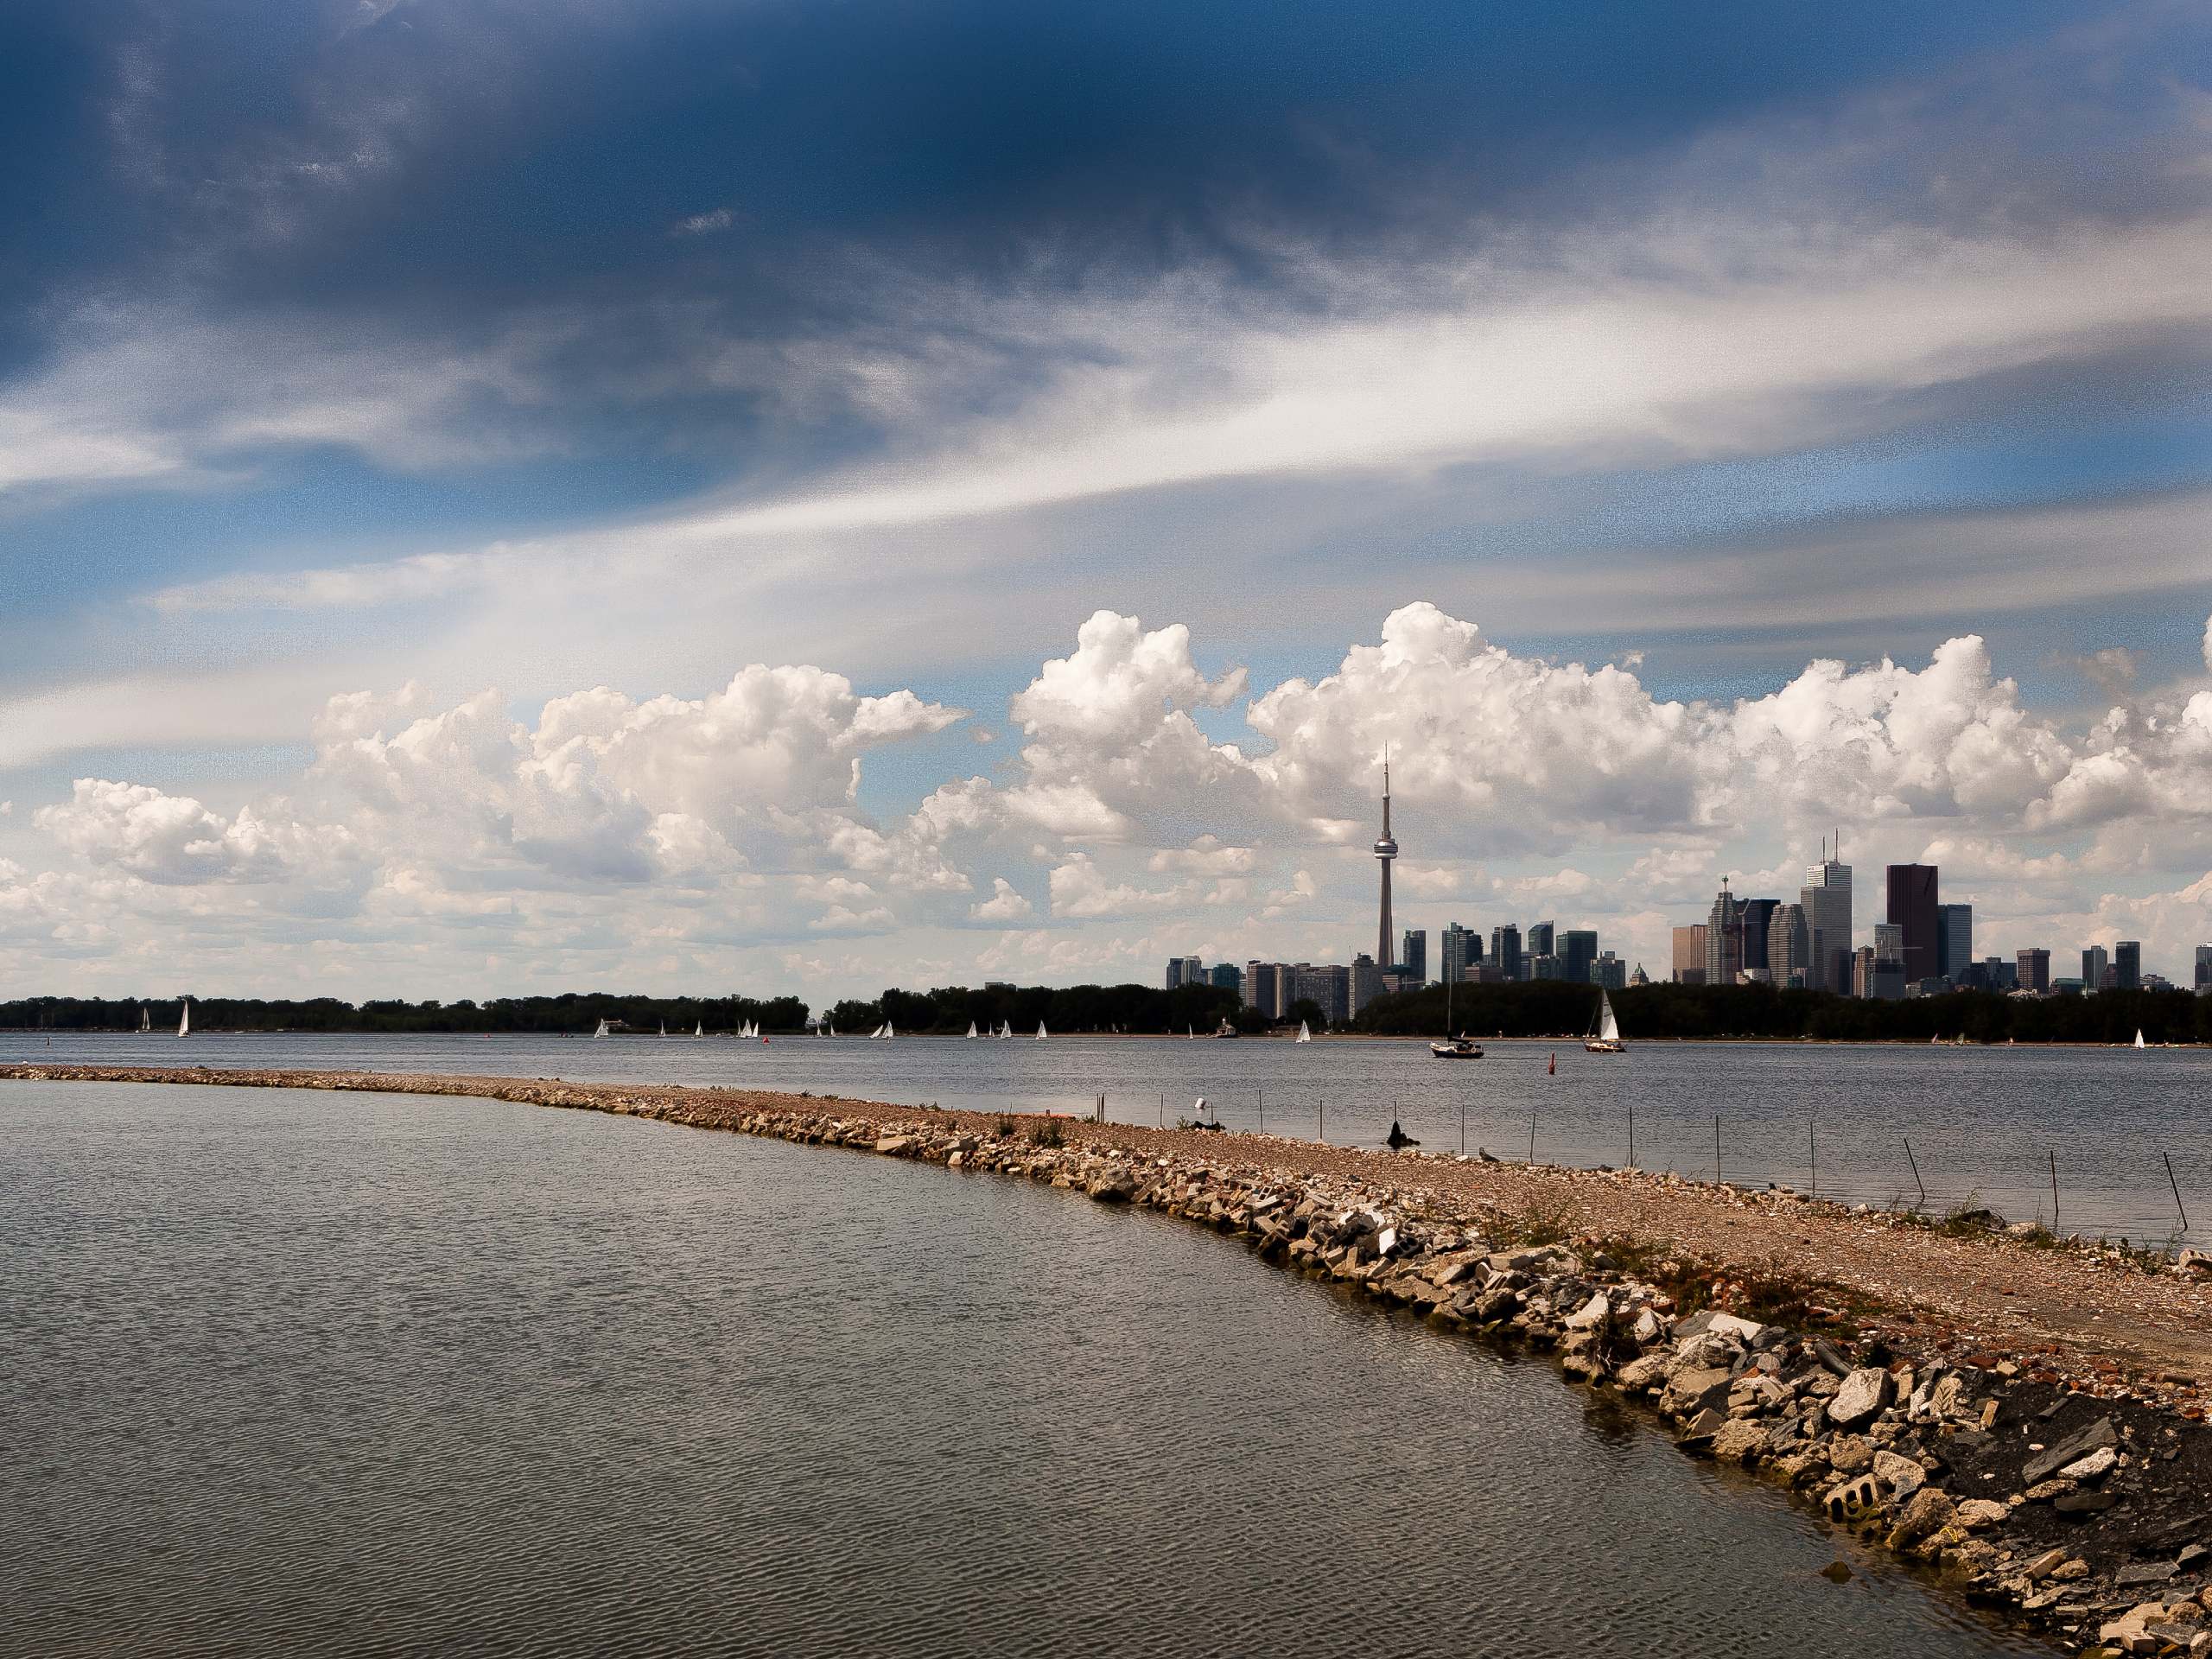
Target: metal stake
pixel 2177 1187
pixel 1916 1181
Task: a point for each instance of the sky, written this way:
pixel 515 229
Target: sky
pixel 508 496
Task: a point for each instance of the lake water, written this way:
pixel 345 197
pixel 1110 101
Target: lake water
pixel 1982 1124
pixel 295 1372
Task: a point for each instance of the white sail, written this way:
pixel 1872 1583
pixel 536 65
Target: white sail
pixel 664 1027
pixel 1191 1031
pixel 1006 1031
pixel 1304 1032
pixel 2139 1043
pixel 1609 1029
pixel 184 1020
pixel 700 1029
pixel 971 1031
pixel 602 1032
pixel 1040 1031
pixel 145 1019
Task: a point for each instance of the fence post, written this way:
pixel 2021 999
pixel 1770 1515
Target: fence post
pixel 2177 1187
pixel 2054 1191
pixel 1916 1181
pixel 1813 1152
pixel 1716 1149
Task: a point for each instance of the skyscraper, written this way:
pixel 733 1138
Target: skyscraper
pixel 1366 980
pixel 1505 950
pixel 2034 968
pixel 1412 961
pixel 1724 938
pixel 2093 964
pixel 1385 850
pixel 1756 916
pixel 1578 949
pixel 2203 983
pixel 1689 955
pixel 2127 965
pixel 1826 899
pixel 1887 971
pixel 1262 989
pixel 1538 941
pixel 1462 950
pixel 1955 936
pixel 1786 944
pixel 1912 910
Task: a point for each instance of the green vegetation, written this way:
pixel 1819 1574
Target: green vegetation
pixel 571 1012
pixel 1141 1008
pixel 1556 1008
pixel 1045 1132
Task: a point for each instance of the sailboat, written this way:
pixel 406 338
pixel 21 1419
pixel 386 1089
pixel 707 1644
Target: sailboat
pixel 145 1020
pixel 602 1032
pixel 1040 1031
pixel 1191 1032
pixel 1604 1031
pixel 2139 1043
pixel 971 1031
pixel 664 1027
pixel 699 1030
pixel 1453 1048
pixel 1304 1033
pixel 1006 1031
pixel 184 1020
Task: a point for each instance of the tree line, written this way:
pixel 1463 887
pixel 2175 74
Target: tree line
pixel 574 1011
pixel 1142 1008
pixel 1558 1008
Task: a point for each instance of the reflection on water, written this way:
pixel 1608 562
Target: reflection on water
pixel 1982 1122
pixel 290 1371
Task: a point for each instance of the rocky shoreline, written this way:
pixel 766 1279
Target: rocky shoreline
pixel 2082 1512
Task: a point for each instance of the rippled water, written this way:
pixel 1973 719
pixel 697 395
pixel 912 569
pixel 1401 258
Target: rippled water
pixel 301 1372
pixel 1982 1124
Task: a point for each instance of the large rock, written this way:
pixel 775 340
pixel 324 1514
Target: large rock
pixel 1901 1475
pixel 1739 1440
pixel 1983 1512
pixel 2070 1450
pixel 1592 1314
pixel 1115 1186
pixel 1863 1394
pixel 1926 1513
pixel 1642 1373
pixel 2099 1464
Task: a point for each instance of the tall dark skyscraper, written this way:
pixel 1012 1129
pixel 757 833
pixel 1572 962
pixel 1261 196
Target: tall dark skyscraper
pixel 1755 916
pixel 1385 850
pixel 1505 950
pixel 2127 965
pixel 1913 907
pixel 1578 949
pixel 1413 960
pixel 1539 942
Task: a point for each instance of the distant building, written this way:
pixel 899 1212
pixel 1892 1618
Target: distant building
pixel 1327 986
pixel 1889 977
pixel 1687 967
pixel 1862 971
pixel 1174 972
pixel 1540 941
pixel 1999 975
pixel 1578 949
pixel 2066 987
pixel 1413 958
pixel 1913 912
pixel 1264 987
pixel 2033 968
pixel 1462 950
pixel 1756 919
pixel 1386 850
pixel 1724 938
pixel 1954 939
pixel 1639 978
pixel 2127 965
pixel 1826 897
pixel 2093 964
pixel 1546 966
pixel 2203 981
pixel 1787 946
pixel 1224 977
pixel 1505 950
pixel 1608 970
pixel 1366 982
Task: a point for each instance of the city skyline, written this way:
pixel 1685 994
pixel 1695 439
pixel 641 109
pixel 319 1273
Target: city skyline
pixel 464 540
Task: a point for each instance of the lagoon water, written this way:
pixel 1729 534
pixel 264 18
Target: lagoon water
pixel 303 1372
pixel 1982 1125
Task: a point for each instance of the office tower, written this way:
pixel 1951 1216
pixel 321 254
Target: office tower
pixel 1174 972
pixel 1826 899
pixel 1888 980
pixel 1327 986
pixel 1539 942
pixel 1462 949
pixel 1505 950
pixel 1688 968
pixel 1953 939
pixel 2127 965
pixel 2203 982
pixel 1385 850
pixel 1546 966
pixel 1366 982
pixel 1262 988
pixel 1787 944
pixel 1413 960
pixel 1578 949
pixel 1912 909
pixel 2002 976
pixel 1724 938
pixel 1610 971
pixel 1756 916
pixel 2093 964
pixel 1861 977
pixel 1223 977
pixel 2034 969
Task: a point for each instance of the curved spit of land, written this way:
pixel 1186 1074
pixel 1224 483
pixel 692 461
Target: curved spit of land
pixel 2029 1414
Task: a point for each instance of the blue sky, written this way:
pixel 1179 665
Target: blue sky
pixel 359 345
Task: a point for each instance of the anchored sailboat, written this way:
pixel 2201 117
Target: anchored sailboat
pixel 1604 1031
pixel 1453 1048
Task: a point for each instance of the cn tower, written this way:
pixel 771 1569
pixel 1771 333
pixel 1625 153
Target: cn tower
pixel 1385 849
